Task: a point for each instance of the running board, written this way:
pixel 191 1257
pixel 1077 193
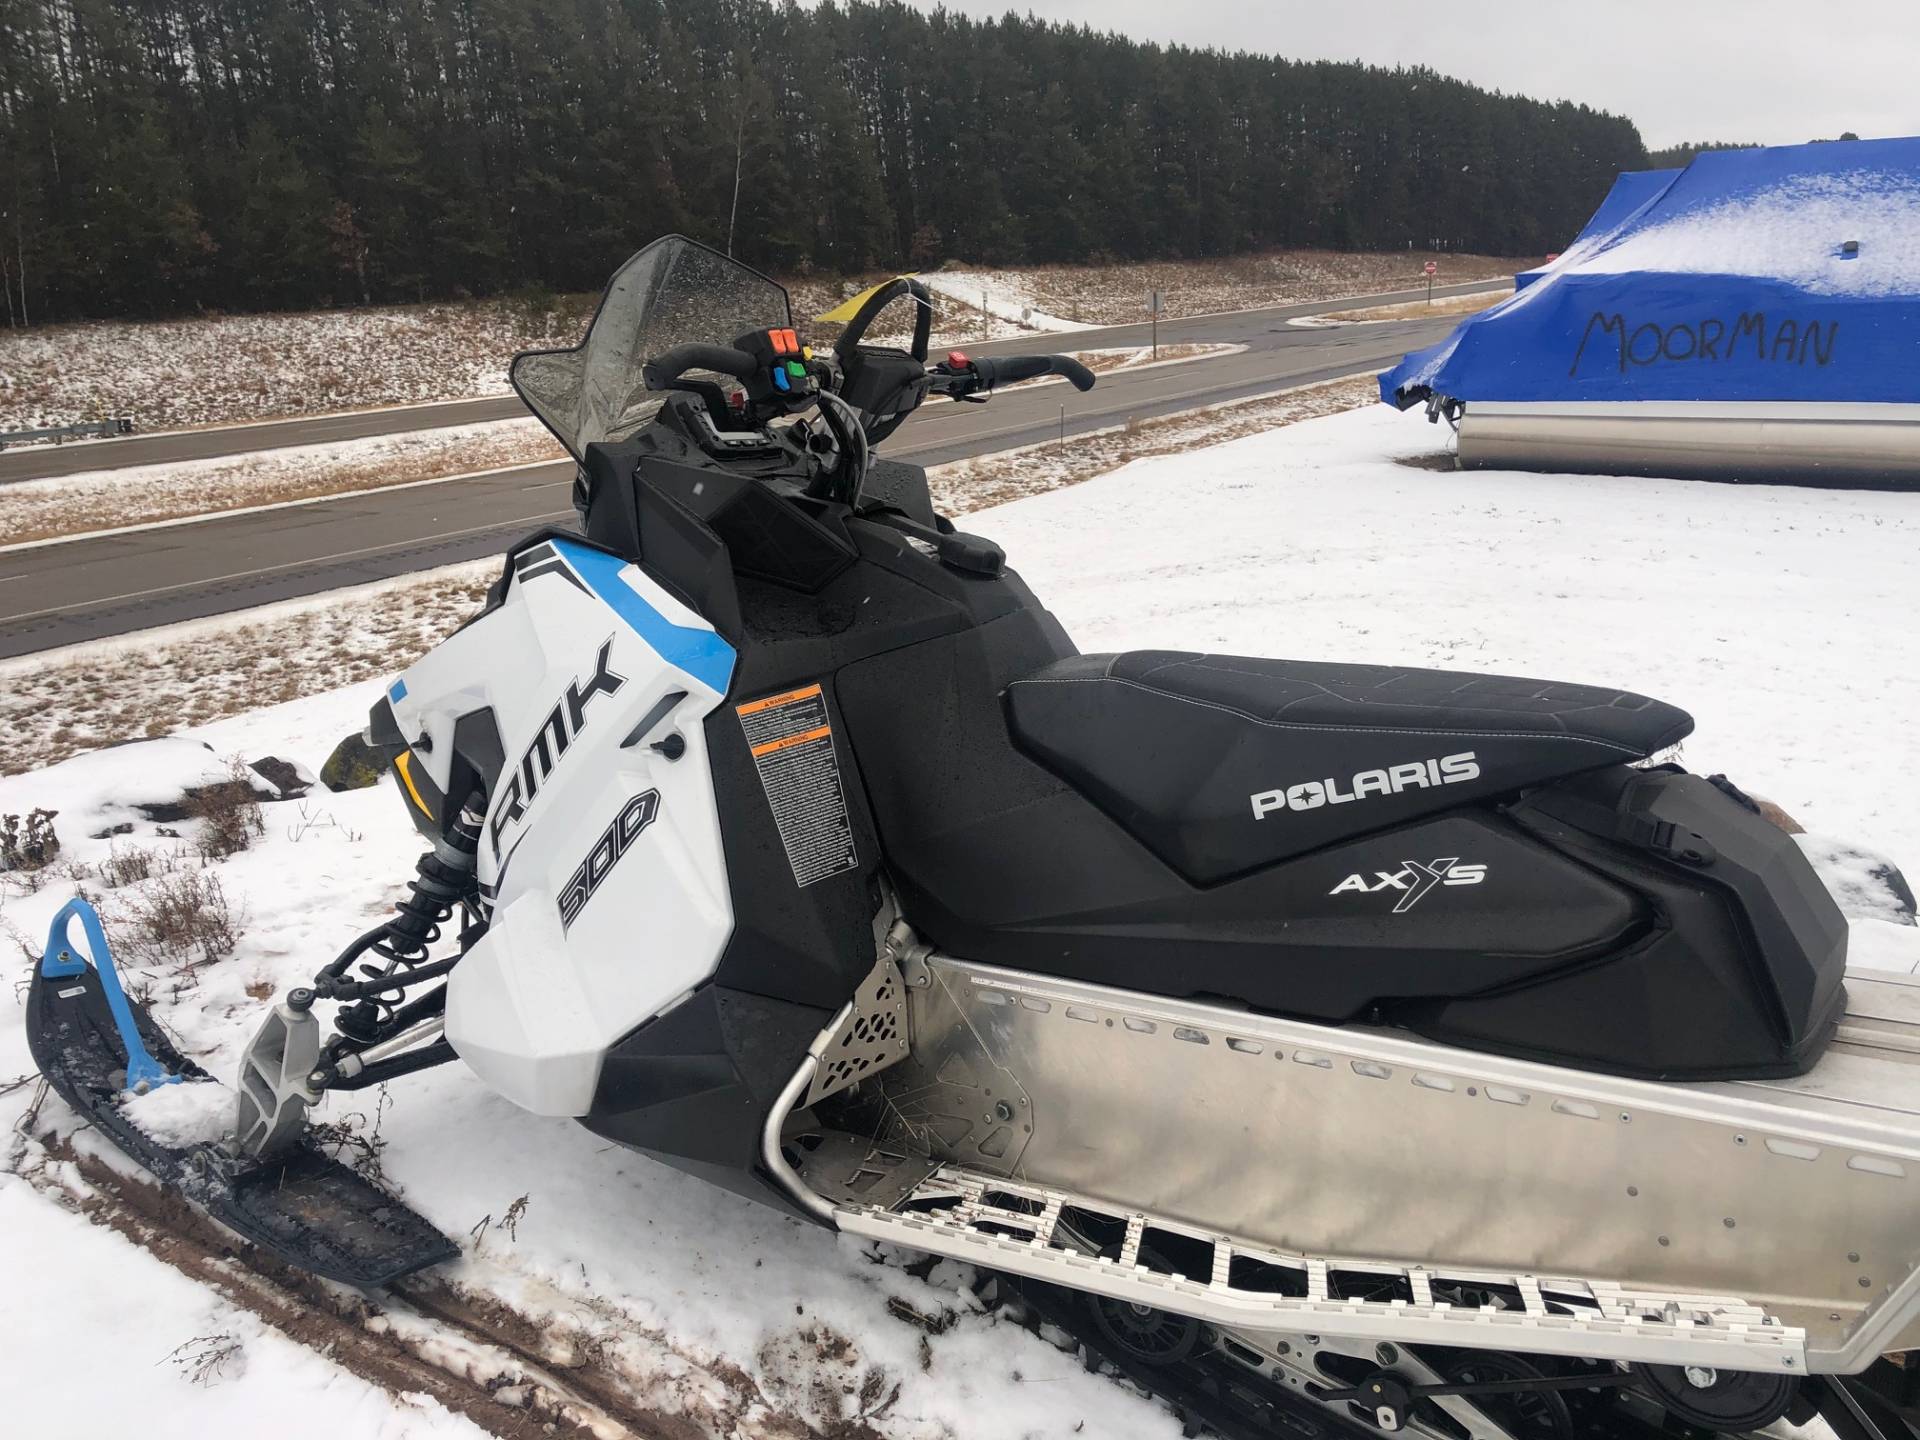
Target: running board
pixel 1017 1228
pixel 1376 1151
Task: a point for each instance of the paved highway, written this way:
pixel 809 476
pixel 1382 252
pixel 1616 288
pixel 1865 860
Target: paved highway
pixel 37 462
pixel 88 588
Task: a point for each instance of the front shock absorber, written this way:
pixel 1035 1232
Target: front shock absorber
pixel 393 956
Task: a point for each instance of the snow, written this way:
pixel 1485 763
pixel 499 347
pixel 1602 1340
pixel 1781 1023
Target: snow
pixel 98 1325
pixel 215 369
pixel 1859 879
pixel 96 792
pixel 1790 231
pixel 182 1114
pixel 1005 294
pixel 683 1281
pixel 1879 945
pixel 1772 614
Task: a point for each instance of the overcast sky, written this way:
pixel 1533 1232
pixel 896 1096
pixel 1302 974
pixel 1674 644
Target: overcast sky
pixel 1771 71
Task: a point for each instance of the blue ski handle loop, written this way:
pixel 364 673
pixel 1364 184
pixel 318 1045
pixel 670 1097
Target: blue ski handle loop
pixel 60 963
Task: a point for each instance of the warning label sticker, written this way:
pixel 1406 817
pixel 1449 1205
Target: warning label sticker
pixel 792 743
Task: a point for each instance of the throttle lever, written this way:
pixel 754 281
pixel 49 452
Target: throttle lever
pixel 956 549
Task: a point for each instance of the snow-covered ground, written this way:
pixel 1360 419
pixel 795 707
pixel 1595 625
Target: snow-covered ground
pixel 686 1284
pixel 169 374
pixel 1778 617
pixel 152 682
pixel 118 1342
pixel 1781 618
pixel 1004 294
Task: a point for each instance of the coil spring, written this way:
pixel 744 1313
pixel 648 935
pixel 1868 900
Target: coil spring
pixel 402 943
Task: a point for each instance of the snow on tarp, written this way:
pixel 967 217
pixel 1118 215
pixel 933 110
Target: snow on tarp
pixel 1631 189
pixel 1780 274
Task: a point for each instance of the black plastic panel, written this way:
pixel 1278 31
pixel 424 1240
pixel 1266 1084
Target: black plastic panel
pixel 1003 863
pixel 693 1086
pixel 1743 973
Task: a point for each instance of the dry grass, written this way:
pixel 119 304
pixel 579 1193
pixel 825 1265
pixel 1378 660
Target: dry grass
pixel 131 865
pixel 1427 309
pixel 77 504
pixel 28 842
pixel 228 812
pixel 174 374
pixel 207 1359
pixel 1114 294
pixel 183 918
pixel 154 684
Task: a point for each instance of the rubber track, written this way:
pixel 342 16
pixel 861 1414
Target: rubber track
pixel 1213 1396
pixel 1208 1393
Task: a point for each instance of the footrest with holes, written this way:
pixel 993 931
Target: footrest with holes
pixel 1081 1243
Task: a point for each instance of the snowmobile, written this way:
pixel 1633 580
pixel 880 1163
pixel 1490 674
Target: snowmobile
pixel 1345 1049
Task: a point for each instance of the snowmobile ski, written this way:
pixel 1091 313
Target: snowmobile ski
pixel 96 1046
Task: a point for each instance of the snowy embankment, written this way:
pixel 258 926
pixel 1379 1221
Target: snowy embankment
pixel 1772 614
pixel 215 369
pixel 1004 294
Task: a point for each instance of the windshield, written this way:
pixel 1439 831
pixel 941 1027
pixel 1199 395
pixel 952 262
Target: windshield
pixel 674 291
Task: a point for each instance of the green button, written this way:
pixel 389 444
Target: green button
pixel 796 370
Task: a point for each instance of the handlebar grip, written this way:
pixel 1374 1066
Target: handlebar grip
pixel 1013 368
pixel 661 371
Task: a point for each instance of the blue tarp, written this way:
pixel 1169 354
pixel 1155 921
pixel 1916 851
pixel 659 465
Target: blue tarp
pixel 1780 274
pixel 1631 189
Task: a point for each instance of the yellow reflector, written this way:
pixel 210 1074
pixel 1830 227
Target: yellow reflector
pixel 406 778
pixel 843 313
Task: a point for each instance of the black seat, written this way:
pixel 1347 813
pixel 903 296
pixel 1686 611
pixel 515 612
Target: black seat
pixel 1221 764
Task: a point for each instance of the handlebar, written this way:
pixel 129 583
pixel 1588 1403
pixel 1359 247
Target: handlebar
pixel 1011 369
pixel 661 371
pixel 885 295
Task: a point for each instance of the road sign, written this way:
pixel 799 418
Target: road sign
pixel 1156 302
pixel 1432 268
